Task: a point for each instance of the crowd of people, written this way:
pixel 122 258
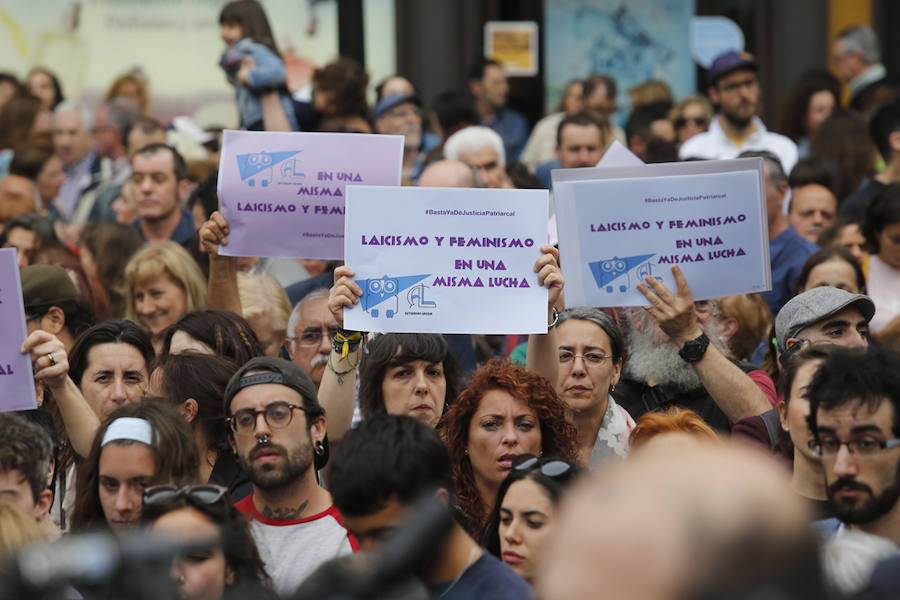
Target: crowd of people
pixel 736 447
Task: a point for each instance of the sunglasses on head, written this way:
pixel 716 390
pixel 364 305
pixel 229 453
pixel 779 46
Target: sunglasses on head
pixel 202 493
pixel 549 467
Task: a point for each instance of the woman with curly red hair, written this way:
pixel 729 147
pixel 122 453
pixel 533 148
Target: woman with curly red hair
pixel 505 411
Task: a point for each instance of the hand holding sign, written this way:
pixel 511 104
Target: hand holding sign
pixel 212 234
pixel 674 313
pixel 42 345
pixel 549 275
pixel 345 293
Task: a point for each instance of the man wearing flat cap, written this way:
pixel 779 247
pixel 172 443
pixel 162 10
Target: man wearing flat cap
pixel 825 315
pixel 734 89
pixel 53 304
pixel 400 114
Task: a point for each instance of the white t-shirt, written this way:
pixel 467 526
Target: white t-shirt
pixel 714 144
pixel 293 549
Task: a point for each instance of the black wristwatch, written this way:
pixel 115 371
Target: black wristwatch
pixel 693 350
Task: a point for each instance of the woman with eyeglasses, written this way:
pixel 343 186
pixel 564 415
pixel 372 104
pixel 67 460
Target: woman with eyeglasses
pixel 591 350
pixel 524 515
pixel 505 411
pixel 220 556
pixel 137 446
pixel 798 365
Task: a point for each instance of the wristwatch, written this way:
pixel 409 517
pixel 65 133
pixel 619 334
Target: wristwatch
pixel 693 350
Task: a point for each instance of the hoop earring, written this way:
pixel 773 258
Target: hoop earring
pixel 319 448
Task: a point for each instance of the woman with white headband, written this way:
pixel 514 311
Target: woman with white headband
pixel 137 446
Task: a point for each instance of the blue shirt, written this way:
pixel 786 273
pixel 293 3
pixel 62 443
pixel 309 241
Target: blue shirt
pixel 486 579
pixel 513 128
pixel 787 252
pixel 184 231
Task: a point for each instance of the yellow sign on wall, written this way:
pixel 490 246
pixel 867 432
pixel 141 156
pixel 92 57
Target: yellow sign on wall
pixel 513 44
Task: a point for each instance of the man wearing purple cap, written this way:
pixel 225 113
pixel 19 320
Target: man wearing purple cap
pixel 399 114
pixel 734 89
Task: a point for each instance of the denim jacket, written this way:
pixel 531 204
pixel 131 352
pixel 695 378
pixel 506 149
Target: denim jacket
pixel 268 74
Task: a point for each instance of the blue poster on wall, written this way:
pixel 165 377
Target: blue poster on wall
pixel 631 40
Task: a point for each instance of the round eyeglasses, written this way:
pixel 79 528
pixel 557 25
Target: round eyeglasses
pixel 278 415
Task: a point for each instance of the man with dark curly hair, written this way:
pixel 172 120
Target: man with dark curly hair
pixel 25 457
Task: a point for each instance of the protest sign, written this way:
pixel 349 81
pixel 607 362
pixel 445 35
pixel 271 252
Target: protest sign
pixel 16 378
pixel 283 193
pixel 618 155
pixel 619 225
pixel 446 260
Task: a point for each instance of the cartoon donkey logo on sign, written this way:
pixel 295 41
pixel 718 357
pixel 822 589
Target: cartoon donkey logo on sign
pixel 376 291
pixel 257 169
pixel 615 269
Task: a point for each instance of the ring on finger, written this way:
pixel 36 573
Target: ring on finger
pixel 50 359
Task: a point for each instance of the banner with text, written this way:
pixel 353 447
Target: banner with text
pixel 283 193
pixel 620 225
pixel 446 260
pixel 16 377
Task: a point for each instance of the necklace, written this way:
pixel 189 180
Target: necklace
pixel 462 572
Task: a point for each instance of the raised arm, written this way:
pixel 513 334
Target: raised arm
pixel 222 288
pixel 337 390
pixel 542 356
pixel 729 387
pixel 78 417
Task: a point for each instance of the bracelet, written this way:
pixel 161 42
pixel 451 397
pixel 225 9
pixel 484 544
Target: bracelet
pixel 555 319
pixel 340 374
pixel 346 341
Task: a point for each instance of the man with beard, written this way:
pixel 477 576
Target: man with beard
pixel 854 400
pixel 159 180
pixel 400 114
pixel 675 359
pixel 277 429
pixel 734 89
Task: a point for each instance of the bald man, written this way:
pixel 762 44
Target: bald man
pixel 448 173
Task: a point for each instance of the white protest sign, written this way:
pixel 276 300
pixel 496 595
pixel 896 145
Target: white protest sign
pixel 446 260
pixel 619 225
pixel 618 155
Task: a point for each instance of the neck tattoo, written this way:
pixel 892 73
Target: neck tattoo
pixel 284 513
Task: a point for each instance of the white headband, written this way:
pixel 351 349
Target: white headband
pixel 129 428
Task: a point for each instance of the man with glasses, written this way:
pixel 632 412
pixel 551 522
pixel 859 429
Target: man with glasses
pixel 399 114
pixel 734 89
pixel 277 429
pixel 482 149
pixel 854 408
pixel 311 330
